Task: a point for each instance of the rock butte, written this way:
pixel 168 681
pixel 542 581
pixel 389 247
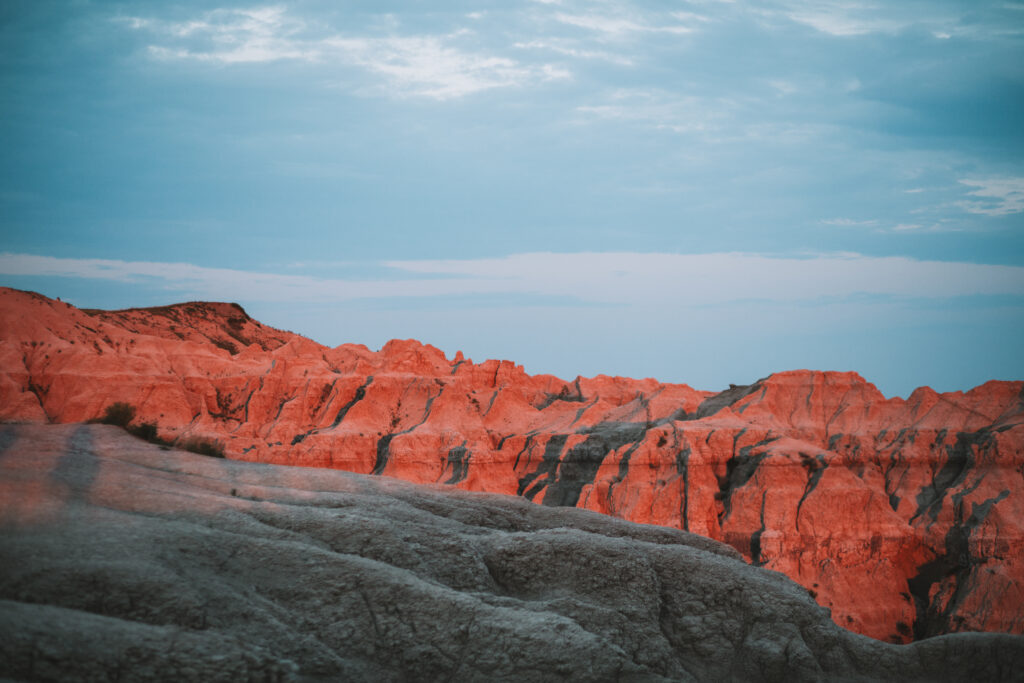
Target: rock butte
pixel 903 516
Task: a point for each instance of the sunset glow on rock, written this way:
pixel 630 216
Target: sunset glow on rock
pixel 903 516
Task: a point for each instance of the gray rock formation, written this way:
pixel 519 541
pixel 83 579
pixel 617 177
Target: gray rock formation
pixel 120 560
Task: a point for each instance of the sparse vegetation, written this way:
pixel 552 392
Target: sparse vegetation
pixel 120 414
pixel 147 431
pixel 226 345
pixel 210 447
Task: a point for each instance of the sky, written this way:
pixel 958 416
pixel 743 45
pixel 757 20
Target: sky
pixel 703 192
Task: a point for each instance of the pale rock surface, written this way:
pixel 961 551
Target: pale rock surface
pixel 120 560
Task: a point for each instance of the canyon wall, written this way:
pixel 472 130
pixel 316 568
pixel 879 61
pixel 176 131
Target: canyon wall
pixel 903 516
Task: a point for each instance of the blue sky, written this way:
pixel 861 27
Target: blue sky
pixel 703 192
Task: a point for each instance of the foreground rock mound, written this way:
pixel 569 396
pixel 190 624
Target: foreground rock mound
pixel 119 559
pixel 905 517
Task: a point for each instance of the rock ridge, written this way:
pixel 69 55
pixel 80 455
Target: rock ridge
pixel 902 516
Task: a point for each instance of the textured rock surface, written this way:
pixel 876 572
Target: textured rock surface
pixel 902 516
pixel 121 560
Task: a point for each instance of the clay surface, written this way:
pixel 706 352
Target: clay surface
pixel 121 560
pixel 903 516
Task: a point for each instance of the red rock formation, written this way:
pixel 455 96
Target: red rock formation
pixel 903 516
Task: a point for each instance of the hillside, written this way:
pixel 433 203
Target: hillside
pixel 902 516
pixel 122 560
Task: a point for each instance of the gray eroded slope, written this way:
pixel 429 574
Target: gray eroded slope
pixel 119 559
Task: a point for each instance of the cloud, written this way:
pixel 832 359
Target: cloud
pixel 849 222
pixel 617 26
pixel 732 117
pixel 998 196
pixel 423 65
pixel 661 110
pixel 838 24
pixel 718 278
pixel 226 36
pixel 845 18
pixel 674 280
pixel 571 50
pixel 427 66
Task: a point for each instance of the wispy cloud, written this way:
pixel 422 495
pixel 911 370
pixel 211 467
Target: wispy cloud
pixel 571 49
pixel 620 25
pixel 942 225
pixel 232 36
pixel 425 65
pixel 996 196
pixel 661 110
pixel 608 278
pixel 850 223
pixel 839 24
pixel 854 18
pixel 428 66
pixel 729 117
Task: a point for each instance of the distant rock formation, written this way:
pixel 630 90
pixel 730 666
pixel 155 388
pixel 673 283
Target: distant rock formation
pixel 904 517
pixel 120 560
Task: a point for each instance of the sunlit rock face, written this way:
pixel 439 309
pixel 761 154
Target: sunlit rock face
pixel 903 516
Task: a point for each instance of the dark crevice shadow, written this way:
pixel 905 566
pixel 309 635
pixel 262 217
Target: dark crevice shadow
pixel 78 467
pixel 8 435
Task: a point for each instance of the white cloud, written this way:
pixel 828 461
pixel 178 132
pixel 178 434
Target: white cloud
pixel 425 65
pixel 571 50
pixel 855 17
pixel 838 24
pixel 675 280
pixel 616 26
pixel 233 36
pixel 997 196
pixel 849 222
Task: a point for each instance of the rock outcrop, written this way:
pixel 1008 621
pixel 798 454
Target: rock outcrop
pixel 121 560
pixel 903 516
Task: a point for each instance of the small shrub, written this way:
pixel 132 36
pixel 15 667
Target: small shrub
pixel 145 430
pixel 210 447
pixel 120 414
pixel 226 345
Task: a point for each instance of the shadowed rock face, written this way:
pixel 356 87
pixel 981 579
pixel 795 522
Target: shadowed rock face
pixel 121 559
pixel 903 516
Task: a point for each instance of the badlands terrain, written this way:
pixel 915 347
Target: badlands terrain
pixel 902 517
pixel 122 560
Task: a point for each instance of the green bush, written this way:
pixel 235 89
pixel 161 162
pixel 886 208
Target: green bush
pixel 120 414
pixel 210 447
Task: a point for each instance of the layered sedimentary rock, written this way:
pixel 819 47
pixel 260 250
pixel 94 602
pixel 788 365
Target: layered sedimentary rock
pixel 120 560
pixel 903 516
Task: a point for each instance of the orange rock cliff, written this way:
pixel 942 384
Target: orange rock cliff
pixel 904 516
